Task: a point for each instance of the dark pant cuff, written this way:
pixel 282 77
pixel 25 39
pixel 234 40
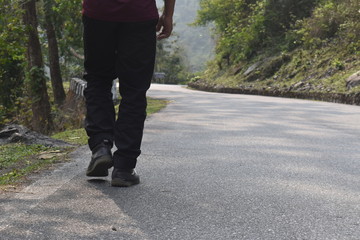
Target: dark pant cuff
pixel 97 139
pixel 124 163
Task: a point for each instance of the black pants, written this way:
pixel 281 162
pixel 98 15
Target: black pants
pixel 123 50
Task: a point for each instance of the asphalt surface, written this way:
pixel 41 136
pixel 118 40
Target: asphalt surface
pixel 214 166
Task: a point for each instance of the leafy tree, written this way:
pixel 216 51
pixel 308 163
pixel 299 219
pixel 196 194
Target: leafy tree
pixel 36 80
pixel 53 52
pixel 69 31
pixel 170 60
pixel 247 27
pixel 332 19
pixel 21 57
pixel 230 18
pixel 11 56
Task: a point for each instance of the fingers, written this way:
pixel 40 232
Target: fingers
pixel 163 35
pixel 165 27
pixel 159 25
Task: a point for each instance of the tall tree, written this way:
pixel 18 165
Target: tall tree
pixel 41 119
pixel 55 72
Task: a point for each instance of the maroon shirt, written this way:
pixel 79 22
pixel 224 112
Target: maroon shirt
pixel 121 10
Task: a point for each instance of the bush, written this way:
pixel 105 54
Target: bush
pixel 246 28
pixel 332 19
pixel 11 81
pixel 11 57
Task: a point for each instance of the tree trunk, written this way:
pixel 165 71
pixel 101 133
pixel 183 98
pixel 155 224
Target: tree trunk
pixel 55 72
pixel 41 120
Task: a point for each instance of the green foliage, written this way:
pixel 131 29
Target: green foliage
pixel 74 136
pixel 22 111
pixel 338 64
pixel 34 81
pixel 12 49
pixel 69 29
pixel 12 39
pixel 154 105
pixel 18 160
pixel 229 17
pixel 320 40
pixel 246 28
pixel 10 154
pixel 67 20
pixel 11 80
pixel 330 20
pixel 68 17
pixel 170 60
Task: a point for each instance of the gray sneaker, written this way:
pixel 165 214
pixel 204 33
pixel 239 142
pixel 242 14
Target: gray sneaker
pixel 101 161
pixel 124 178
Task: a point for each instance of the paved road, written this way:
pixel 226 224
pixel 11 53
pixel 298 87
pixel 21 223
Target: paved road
pixel 214 166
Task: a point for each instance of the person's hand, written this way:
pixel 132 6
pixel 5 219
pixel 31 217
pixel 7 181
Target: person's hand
pixel 164 27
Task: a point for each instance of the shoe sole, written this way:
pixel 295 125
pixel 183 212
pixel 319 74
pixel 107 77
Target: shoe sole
pixel 100 167
pixel 123 183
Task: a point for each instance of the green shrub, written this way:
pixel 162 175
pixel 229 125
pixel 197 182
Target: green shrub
pixel 331 19
pixel 247 28
pixel 12 49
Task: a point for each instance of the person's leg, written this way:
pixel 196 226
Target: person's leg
pixel 100 58
pixel 135 66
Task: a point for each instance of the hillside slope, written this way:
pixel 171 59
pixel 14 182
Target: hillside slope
pixel 314 56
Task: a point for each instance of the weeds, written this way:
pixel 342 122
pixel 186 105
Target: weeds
pixel 19 160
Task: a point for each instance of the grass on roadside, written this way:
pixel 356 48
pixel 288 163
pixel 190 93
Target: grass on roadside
pixel 155 105
pixel 19 160
pixel 74 136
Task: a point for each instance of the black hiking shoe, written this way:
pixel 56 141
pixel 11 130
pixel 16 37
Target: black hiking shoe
pixel 101 160
pixel 124 178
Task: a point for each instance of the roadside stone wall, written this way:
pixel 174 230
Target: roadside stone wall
pixel 353 98
pixel 77 86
